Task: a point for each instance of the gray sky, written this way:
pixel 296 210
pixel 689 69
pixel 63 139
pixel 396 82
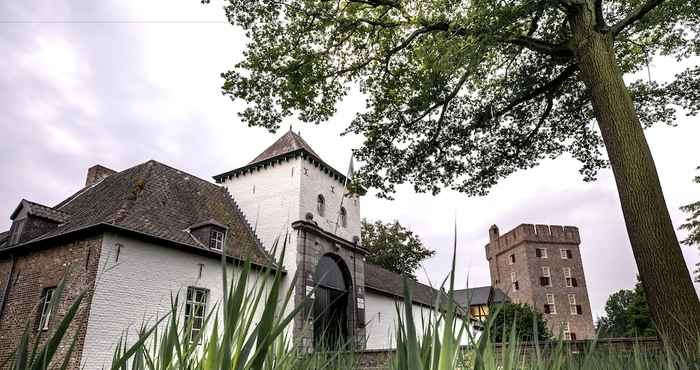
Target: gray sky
pixel 121 82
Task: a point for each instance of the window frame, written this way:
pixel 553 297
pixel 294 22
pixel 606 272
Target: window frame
pixel 551 303
pixel 511 259
pixel 321 205
pixel 214 241
pixel 343 217
pixel 191 303
pixel 542 253
pixel 46 300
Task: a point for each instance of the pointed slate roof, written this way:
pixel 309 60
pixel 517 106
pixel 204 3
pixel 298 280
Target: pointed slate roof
pixel 288 143
pixel 161 202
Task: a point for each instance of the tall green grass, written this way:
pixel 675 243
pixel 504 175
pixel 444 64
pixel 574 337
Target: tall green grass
pixel 248 329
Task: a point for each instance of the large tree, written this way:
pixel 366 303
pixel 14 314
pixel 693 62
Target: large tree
pixel 627 315
pixel 461 93
pixel 394 247
pixel 692 225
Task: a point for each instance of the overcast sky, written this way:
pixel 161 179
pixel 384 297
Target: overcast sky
pixel 121 82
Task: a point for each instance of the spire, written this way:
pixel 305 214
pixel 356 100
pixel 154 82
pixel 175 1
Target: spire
pixel 289 142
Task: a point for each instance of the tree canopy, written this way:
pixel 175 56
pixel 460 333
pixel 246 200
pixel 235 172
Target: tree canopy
pixel 692 225
pixel 627 315
pixel 393 247
pixel 461 93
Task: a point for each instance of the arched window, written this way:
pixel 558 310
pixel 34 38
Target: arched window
pixel 331 301
pixel 343 217
pixel 321 205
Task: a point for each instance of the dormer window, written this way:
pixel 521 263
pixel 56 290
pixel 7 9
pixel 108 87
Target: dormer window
pixel 216 239
pixel 321 205
pixel 343 217
pixel 209 234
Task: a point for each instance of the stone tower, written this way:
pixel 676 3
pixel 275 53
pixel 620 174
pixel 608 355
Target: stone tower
pixel 540 265
pixel 289 192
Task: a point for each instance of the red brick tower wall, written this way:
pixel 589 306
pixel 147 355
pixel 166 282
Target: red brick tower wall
pixel 523 243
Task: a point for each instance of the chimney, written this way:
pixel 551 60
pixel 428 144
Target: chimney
pixel 96 174
pixel 493 233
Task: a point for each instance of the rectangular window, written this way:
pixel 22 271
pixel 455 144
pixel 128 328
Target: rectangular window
pixel 216 239
pixel 546 280
pixel 511 259
pixel 195 309
pixel 513 277
pixel 565 253
pixel 572 299
pixel 550 307
pixel 573 310
pixel 541 252
pixel 566 329
pixel 46 299
pixel 569 281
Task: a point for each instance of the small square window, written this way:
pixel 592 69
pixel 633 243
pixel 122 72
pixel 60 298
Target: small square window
pixel 541 252
pixel 216 239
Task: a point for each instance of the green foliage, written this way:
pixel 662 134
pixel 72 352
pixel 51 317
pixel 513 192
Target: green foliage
pixel 459 93
pixel 520 318
pixel 627 315
pixel 692 223
pixel 393 247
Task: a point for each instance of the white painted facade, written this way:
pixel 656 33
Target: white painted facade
pixel 136 287
pixel 382 320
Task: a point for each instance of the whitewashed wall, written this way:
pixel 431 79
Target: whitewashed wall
pixel 269 198
pixel 314 182
pixel 138 288
pixel 381 320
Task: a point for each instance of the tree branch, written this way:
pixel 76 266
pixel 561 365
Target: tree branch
pixel 636 15
pixel 543 47
pixel 549 86
pixel 599 17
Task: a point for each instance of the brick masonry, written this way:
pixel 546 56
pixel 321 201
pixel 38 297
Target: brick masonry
pixel 522 243
pixel 43 267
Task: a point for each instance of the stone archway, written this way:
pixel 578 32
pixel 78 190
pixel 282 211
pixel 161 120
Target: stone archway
pixel 332 297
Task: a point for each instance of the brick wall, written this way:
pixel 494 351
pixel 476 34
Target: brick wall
pixel 523 242
pixel 42 268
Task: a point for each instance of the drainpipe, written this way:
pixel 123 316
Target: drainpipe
pixel 6 288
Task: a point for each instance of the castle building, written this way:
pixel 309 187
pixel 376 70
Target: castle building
pixel 133 238
pixel 540 265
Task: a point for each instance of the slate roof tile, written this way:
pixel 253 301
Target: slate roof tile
pixel 157 200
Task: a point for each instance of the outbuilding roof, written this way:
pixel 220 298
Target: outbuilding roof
pixel 158 201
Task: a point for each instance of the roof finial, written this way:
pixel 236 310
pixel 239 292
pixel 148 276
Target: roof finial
pixel 290 127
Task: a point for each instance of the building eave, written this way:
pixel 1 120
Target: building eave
pixel 103 227
pixel 301 152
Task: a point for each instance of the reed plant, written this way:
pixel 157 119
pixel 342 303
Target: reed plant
pixel 248 330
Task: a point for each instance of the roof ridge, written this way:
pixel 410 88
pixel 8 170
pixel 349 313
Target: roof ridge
pixel 286 143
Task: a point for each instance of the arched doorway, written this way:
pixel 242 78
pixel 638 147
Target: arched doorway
pixel 331 303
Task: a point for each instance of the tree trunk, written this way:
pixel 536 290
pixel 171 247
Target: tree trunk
pixel 672 299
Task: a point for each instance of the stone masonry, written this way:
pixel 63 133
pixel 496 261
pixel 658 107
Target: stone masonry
pixel 43 267
pixel 519 261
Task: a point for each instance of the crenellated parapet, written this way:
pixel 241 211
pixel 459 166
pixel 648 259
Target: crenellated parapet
pixel 554 234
